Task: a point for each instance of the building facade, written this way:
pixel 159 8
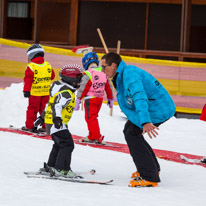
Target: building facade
pixel 165 29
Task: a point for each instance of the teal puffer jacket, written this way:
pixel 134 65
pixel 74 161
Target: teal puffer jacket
pixel 141 97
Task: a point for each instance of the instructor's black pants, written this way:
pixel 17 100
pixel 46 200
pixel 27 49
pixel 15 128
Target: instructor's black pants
pixel 60 155
pixel 142 153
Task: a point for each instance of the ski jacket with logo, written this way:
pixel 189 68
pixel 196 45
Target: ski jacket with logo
pixel 141 97
pixel 61 104
pixel 93 84
pixel 38 76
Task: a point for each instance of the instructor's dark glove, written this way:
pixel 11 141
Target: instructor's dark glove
pixel 26 94
pixel 57 122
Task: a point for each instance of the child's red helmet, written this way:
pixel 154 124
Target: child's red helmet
pixel 71 74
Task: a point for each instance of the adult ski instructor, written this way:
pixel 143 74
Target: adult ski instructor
pixel 147 104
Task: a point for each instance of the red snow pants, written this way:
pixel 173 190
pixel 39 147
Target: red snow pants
pixel 203 115
pixel 92 107
pixel 36 104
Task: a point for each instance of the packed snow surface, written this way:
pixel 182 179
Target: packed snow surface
pixel 181 185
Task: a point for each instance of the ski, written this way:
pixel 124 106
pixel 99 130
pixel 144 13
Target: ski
pixel 37 173
pixel 41 134
pixel 91 172
pixel 48 174
pixel 98 144
pixel 66 179
pixel 196 161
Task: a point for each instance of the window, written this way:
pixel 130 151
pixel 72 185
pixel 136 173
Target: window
pixel 18 9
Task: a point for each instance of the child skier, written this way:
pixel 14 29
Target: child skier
pixel 56 115
pixel 37 80
pixel 94 83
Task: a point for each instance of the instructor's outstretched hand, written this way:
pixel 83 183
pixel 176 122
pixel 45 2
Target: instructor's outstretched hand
pixel 150 129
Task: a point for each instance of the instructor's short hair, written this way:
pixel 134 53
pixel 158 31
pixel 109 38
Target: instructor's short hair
pixel 112 57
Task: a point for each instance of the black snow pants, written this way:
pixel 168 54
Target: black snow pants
pixel 60 155
pixel 142 153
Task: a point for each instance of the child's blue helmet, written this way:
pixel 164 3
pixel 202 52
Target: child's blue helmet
pixel 89 58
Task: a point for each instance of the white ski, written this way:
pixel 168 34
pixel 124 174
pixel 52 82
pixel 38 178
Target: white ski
pixel 186 159
pixel 66 179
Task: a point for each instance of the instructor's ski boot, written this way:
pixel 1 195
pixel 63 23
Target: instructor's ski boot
pixel 137 174
pixel 140 182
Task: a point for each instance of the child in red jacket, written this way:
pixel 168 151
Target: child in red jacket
pixel 37 81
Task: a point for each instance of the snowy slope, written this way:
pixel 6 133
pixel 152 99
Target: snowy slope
pixel 181 184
